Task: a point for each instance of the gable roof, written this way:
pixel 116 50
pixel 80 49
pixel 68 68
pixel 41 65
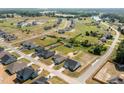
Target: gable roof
pixel 28 45
pixel 57 59
pixel 72 65
pixel 15 67
pixel 39 49
pixel 7 59
pixel 46 53
pixel 26 73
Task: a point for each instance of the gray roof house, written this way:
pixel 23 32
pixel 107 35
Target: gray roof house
pixel 71 65
pixel 26 73
pixel 61 31
pixel 28 45
pixel 15 67
pixel 41 80
pixel 58 59
pixel 6 36
pixel 103 39
pixel 39 49
pixel 7 59
pixel 46 54
pixel 2 33
pixel 9 37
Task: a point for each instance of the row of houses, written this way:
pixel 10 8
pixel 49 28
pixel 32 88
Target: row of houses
pixel 40 51
pixel 69 64
pixel 58 22
pixel 13 66
pixel 6 36
pixel 26 24
pixel 68 28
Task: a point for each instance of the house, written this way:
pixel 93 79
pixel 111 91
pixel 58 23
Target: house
pixel 26 73
pixel 6 36
pixel 46 54
pixel 41 80
pixel 28 45
pixel 71 65
pixel 15 67
pixel 22 24
pixel 39 49
pixel 108 35
pixel 61 31
pixel 103 39
pixel 7 59
pixel 2 33
pixel 9 37
pixel 58 59
pixel 47 27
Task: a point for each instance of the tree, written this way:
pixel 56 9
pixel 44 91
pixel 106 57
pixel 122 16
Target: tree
pixel 87 33
pixel 120 54
pixel 98 49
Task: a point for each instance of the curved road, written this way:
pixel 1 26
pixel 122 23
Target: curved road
pixel 101 61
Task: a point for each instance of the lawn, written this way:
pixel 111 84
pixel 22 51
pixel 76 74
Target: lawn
pixel 15 54
pixel 24 60
pixel 12 29
pixel 46 61
pixel 26 51
pixel 57 80
pixel 57 67
pixel 63 50
pixel 44 42
pixel 82 28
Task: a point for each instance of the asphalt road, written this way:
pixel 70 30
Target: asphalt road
pixel 101 61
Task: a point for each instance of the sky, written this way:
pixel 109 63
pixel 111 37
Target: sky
pixel 61 3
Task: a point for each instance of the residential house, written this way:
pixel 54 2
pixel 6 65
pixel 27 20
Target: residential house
pixel 58 59
pixel 28 45
pixel 6 36
pixel 103 39
pixel 15 67
pixel 39 49
pixel 26 73
pixel 7 59
pixel 71 65
pixel 61 31
pixel 46 54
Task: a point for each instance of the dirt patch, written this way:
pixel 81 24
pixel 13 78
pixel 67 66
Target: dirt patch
pixel 6 78
pixel 106 73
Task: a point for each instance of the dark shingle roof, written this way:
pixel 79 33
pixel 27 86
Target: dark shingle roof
pixel 26 73
pixel 28 45
pixel 7 59
pixel 72 65
pixel 46 53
